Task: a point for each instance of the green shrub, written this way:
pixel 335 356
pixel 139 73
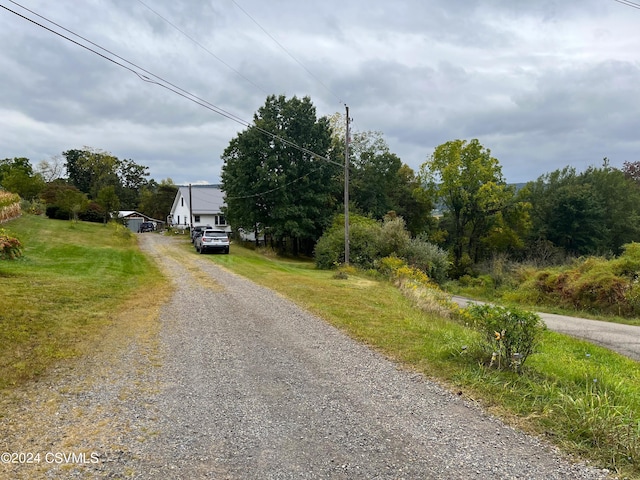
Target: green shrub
pixel 33 207
pixel 10 247
pixel 628 263
pixel 369 241
pixel 393 237
pixel 364 235
pixel 510 335
pixel 417 286
pixel 428 257
pixel 56 213
pixel 94 213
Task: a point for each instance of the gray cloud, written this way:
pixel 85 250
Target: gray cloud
pixel 542 84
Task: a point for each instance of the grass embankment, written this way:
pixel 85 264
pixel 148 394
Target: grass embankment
pixel 583 398
pixel 70 287
pixel 602 288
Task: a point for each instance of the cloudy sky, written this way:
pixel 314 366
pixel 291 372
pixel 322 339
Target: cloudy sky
pixel 542 84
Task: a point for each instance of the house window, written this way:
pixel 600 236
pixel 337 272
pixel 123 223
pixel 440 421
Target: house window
pixel 181 202
pixel 220 220
pixel 178 219
pixel 196 218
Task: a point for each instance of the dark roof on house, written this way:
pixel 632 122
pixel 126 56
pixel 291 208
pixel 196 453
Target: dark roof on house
pixel 205 198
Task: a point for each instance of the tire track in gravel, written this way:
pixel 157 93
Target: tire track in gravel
pixel 228 380
pixel 253 387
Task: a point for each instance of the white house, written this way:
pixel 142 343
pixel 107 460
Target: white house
pixel 198 205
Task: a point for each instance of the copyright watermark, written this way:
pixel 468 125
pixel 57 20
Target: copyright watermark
pixel 59 458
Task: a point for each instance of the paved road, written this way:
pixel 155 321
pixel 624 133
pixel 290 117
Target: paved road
pixel 624 339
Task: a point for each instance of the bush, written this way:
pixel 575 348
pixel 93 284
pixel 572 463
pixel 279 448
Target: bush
pixel 33 207
pixel 94 213
pixel 510 335
pixel 417 286
pixel 428 257
pixel 370 241
pixel 628 263
pixel 10 247
pixel 364 234
pixel 57 213
pixel 393 236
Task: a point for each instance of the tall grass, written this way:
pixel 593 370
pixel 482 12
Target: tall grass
pixel 584 398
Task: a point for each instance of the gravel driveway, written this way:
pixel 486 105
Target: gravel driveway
pixel 239 383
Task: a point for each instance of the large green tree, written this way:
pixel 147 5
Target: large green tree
pixel 12 165
pixel 156 199
pixel 593 212
pixel 108 201
pixel 274 177
pixel 467 183
pixel 90 170
pixel 132 178
pixel 379 181
pixel 17 176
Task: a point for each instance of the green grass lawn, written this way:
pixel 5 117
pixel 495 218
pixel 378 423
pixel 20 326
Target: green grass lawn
pixel 582 397
pixel 68 287
pixel 76 281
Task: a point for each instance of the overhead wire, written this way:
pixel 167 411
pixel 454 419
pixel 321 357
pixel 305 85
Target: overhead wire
pixel 255 195
pixel 159 80
pixel 287 52
pixel 629 3
pixel 203 47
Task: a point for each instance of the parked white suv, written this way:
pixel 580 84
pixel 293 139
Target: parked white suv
pixel 212 240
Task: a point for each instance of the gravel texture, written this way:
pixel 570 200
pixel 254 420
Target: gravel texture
pixel 239 383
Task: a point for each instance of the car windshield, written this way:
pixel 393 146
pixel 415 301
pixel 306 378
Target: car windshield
pixel 215 234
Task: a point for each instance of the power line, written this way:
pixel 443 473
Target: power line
pixel 161 82
pixel 275 189
pixel 184 93
pixel 203 47
pixel 287 51
pixel 629 3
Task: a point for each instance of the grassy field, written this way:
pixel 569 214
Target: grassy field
pixel 584 398
pixel 71 284
pixel 77 281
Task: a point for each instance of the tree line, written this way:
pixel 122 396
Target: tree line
pixel 87 184
pixel 283 179
pixel 458 200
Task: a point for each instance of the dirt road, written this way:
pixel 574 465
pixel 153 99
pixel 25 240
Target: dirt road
pixel 239 383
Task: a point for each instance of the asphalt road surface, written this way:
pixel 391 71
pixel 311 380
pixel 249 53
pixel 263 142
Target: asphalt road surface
pixel 624 339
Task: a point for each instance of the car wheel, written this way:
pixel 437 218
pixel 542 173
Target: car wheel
pixel 226 250
pixel 201 250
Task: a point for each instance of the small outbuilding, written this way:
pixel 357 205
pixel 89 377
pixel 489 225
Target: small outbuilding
pixel 133 220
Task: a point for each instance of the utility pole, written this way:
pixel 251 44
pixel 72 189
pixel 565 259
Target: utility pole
pixel 346 192
pixel 190 210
